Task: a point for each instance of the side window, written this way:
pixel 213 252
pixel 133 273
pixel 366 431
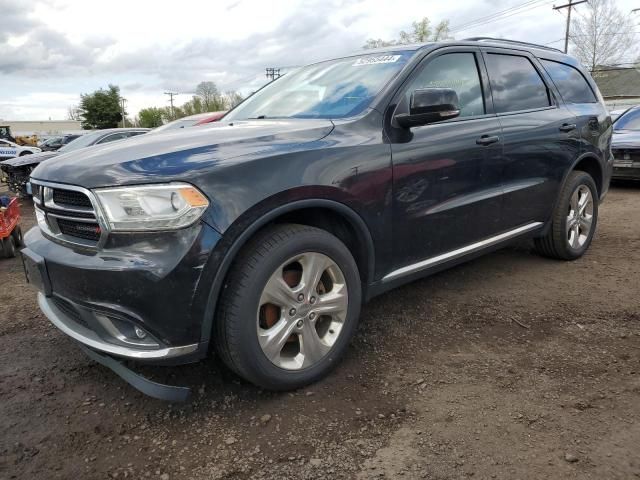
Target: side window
pixel 571 84
pixel 515 83
pixel 134 134
pixel 111 138
pixel 458 71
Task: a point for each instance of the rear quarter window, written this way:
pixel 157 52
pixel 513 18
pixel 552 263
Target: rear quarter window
pixel 572 85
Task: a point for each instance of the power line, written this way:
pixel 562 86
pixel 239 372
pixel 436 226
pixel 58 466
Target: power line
pixel 487 17
pixel 501 15
pixel 569 6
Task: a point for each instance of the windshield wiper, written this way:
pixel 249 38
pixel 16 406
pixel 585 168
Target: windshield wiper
pixel 259 117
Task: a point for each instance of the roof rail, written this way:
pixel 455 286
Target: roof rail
pixel 513 42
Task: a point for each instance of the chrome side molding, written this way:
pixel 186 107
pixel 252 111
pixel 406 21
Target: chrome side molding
pixel 460 252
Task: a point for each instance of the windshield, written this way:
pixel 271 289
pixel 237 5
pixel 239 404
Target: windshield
pixel 82 141
pixel 628 121
pixel 333 89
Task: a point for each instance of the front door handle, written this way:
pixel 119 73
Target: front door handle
pixel 567 127
pixel 487 140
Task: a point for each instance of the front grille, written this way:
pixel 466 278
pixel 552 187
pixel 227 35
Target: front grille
pixel 71 198
pixel 67 214
pixel 88 231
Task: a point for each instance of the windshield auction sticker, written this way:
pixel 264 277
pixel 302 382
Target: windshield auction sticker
pixel 375 60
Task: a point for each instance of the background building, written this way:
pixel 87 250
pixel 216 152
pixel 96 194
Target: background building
pixel 620 87
pixel 43 128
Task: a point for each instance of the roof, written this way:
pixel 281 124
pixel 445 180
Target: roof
pixel 476 41
pixel 618 82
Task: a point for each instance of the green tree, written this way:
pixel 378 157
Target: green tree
pixel 150 117
pixel 101 109
pixel 193 106
pixel 422 32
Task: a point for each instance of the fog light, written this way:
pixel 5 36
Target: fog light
pixel 140 333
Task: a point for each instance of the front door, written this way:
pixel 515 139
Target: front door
pixel 446 175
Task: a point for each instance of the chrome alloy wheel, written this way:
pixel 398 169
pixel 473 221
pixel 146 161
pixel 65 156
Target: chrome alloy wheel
pixel 580 217
pixel 302 310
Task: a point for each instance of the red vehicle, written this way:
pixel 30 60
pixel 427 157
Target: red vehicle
pixel 191 121
pixel 10 231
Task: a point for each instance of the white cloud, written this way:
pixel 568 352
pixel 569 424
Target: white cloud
pixel 68 47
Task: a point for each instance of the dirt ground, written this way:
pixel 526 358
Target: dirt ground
pixel 510 367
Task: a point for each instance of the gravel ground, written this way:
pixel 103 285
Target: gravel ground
pixel 511 367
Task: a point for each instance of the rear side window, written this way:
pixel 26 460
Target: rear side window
pixel 571 84
pixel 515 83
pixel 457 71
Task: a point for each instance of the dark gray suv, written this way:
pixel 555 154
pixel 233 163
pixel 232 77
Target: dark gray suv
pixel 259 237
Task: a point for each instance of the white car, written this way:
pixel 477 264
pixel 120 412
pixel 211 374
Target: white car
pixel 9 150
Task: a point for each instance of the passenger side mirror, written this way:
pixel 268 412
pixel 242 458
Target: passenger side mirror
pixel 429 105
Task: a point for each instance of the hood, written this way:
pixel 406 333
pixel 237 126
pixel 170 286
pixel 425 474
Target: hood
pixel 626 139
pixel 32 159
pixel 179 154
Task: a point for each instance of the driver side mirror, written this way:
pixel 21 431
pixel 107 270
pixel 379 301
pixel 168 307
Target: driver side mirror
pixel 429 105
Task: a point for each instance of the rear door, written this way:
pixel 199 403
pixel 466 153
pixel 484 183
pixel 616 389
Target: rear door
pixel 540 136
pixel 592 118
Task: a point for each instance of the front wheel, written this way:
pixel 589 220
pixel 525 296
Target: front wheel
pixel 574 219
pixel 289 308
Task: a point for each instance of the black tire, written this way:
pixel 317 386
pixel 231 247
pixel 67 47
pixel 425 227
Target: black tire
pixel 236 338
pixel 17 237
pixel 555 243
pixel 9 247
pixel 26 152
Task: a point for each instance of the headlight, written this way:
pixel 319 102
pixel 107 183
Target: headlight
pixel 151 207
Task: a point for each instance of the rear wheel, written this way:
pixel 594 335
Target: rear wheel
pixel 9 247
pixel 574 219
pixel 289 308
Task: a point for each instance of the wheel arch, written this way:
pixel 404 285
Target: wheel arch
pixel 587 162
pixel 590 164
pixel 331 215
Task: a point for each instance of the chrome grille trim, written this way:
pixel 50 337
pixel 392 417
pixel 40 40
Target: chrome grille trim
pixel 47 220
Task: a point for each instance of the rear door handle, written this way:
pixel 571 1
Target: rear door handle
pixel 567 127
pixel 487 140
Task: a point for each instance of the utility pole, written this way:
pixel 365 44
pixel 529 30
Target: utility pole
pixel 273 73
pixel 122 100
pixel 171 95
pixel 568 6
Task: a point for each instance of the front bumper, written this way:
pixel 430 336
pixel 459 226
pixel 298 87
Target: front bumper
pixel 630 171
pixel 91 339
pixel 155 282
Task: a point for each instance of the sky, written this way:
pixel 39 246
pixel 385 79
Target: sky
pixel 51 51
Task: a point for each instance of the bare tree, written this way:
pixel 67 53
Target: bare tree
pixel 422 32
pixel 211 99
pixel 231 99
pixel 73 113
pixel 602 35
